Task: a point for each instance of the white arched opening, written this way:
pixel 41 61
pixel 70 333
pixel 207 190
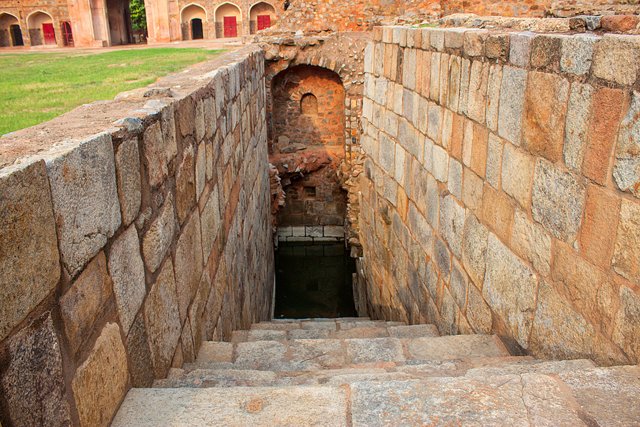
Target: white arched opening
pixel 262 15
pixel 228 20
pixel 41 29
pixel 193 18
pixel 10 30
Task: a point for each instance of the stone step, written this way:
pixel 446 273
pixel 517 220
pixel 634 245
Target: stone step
pixel 473 367
pixel 586 397
pixel 323 324
pixel 314 354
pixel 379 330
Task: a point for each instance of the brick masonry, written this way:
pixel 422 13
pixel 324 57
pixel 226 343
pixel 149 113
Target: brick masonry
pixel 493 198
pixel 132 246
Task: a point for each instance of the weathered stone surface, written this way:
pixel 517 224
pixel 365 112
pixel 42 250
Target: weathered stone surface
pixel 511 106
pixel 85 199
pixel 29 259
pixel 157 152
pixel 510 289
pixel 577 52
pixel 497 211
pixel 600 223
pixel 454 181
pixel 586 286
pixel 188 263
pixel 262 355
pixel 626 171
pixel 558 331
pixel 374 350
pixel 140 364
pixel 577 125
pixel 626 255
pixel 127 271
pixel 608 396
pixel 455 347
pixel 128 177
pixel 476 104
pixel 517 174
pixel 158 239
pixel 185 184
pixel 605 118
pixel 85 300
pixel 615 58
pixel 478 311
pixel 452 220
pixel 493 96
pixel 31 378
pixel 544 115
pixel 100 383
pixel 502 400
pixel 558 200
pixel 294 406
pixel 532 243
pixel 162 319
pixel 201 170
pixel 213 351
pixel 626 332
pixel 494 160
pixel 474 248
pixel 210 221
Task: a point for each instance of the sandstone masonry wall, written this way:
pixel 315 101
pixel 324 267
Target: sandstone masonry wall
pixel 131 231
pixel 501 187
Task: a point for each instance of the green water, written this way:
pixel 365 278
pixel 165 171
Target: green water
pixel 313 280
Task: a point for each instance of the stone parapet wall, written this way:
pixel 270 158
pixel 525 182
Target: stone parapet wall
pixel 501 187
pixel 131 231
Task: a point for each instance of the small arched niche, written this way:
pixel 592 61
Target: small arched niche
pixel 309 105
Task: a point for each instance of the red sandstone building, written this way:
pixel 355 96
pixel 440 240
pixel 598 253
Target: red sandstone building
pixel 98 23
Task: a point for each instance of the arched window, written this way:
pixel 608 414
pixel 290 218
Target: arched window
pixel 309 105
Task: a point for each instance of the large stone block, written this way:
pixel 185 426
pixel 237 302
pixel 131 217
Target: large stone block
pixel 558 200
pixel 29 259
pixel 478 311
pixel 493 96
pixel 477 100
pixel 588 288
pixel 626 255
pixel 85 199
pixel 188 263
pixel 101 382
pixel 600 224
pixel 127 271
pixel 210 222
pixel 157 153
pixel 544 115
pixel 626 171
pixel 626 332
pixel 493 171
pixel 474 249
pixel 497 211
pixel 615 58
pixel 606 113
pixel 158 238
pixel 85 300
pixel 517 173
pixel 577 125
pixel 201 170
pixel 558 331
pixel 510 289
pixel 128 175
pixel 452 220
pixel 140 364
pixel 31 377
pixel 577 52
pixel 532 243
pixel 511 105
pixel 185 184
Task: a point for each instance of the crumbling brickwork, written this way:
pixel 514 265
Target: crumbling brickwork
pixel 500 191
pixel 122 251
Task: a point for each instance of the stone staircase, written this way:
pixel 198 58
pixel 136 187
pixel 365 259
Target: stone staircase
pixel 360 372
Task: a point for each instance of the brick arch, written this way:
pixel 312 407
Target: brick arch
pixel 7 20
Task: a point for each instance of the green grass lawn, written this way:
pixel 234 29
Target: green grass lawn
pixel 36 87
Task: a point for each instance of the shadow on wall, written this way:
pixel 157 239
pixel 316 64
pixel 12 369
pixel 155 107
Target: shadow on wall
pixel 307 148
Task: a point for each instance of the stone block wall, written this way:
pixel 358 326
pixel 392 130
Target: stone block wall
pixel 500 192
pixel 131 231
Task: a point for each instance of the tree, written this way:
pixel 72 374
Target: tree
pixel 138 15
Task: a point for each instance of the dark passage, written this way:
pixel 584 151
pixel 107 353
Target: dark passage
pixel 313 280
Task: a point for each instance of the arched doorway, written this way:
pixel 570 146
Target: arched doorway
pixel 261 16
pixel 228 21
pixel 67 33
pixel 192 19
pixel 41 30
pixel 10 31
